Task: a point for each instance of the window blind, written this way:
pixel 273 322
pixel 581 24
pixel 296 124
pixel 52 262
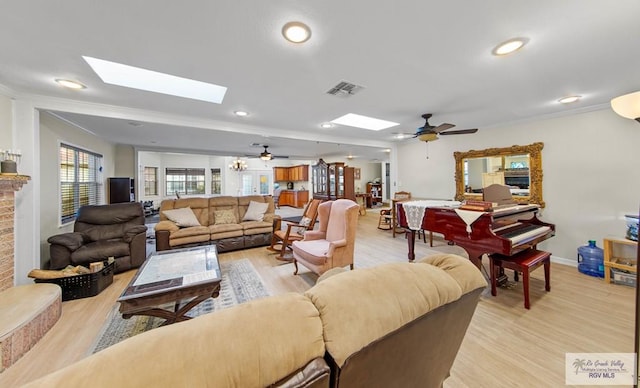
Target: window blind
pixel 184 180
pixel 151 181
pixel 79 181
pixel 216 181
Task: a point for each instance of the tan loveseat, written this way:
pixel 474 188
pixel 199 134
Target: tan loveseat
pixel 394 325
pixel 227 236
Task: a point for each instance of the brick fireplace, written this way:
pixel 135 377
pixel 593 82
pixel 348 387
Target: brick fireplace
pixel 27 312
pixel 9 184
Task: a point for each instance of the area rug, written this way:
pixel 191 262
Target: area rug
pixel 240 283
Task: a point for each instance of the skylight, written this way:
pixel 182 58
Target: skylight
pixel 364 122
pixel 134 77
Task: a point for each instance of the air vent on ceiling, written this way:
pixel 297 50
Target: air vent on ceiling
pixel 256 145
pixel 344 89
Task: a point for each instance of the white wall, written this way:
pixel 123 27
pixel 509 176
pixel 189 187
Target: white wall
pixel 125 165
pixel 6 123
pixel 52 132
pixel 590 172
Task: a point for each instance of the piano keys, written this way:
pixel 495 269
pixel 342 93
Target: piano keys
pixel 507 230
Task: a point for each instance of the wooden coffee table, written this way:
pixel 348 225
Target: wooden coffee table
pixel 181 277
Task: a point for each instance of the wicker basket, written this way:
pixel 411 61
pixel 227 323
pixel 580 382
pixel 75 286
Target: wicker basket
pixel 83 286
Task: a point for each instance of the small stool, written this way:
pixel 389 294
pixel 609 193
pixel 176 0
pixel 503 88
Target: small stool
pixel 525 262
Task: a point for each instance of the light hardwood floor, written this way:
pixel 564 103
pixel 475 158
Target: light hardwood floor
pixel 505 345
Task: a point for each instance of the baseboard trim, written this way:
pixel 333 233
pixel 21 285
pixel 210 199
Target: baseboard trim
pixel 563 261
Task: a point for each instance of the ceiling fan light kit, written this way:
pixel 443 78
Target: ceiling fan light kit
pixel 430 132
pixel 428 137
pixel 627 106
pixel 265 155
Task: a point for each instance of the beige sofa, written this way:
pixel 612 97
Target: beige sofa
pixel 227 236
pixel 394 325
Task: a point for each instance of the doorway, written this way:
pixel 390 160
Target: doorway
pixel 256 182
pixel 387 179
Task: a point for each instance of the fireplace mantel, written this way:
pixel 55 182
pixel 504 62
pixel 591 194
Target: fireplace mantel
pixel 13 182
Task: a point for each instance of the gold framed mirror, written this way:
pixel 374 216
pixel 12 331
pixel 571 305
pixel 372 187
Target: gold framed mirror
pixel 519 167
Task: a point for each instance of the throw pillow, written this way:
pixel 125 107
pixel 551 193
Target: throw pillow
pixel 304 223
pixel 226 216
pixel 182 217
pixel 256 211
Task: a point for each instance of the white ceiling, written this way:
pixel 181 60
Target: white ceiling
pixel 412 57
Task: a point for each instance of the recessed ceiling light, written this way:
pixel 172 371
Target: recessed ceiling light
pixel 152 81
pixel 364 122
pixel 569 99
pixel 509 46
pixel 296 32
pixel 241 113
pixel 326 125
pixel 67 83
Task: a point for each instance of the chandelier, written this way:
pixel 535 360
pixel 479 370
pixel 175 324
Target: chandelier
pixel 238 165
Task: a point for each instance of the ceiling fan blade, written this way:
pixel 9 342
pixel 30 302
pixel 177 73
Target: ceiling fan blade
pixel 442 127
pixel 460 132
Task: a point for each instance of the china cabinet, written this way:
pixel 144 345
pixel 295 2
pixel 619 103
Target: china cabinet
pixel 332 181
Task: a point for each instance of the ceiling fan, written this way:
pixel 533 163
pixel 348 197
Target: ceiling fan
pixel 430 132
pixel 266 155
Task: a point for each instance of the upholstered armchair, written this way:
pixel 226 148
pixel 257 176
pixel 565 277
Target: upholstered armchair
pixel 100 232
pixel 332 245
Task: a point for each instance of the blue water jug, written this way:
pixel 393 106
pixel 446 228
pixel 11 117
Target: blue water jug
pixel 591 260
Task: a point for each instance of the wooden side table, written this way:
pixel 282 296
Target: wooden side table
pixel 615 256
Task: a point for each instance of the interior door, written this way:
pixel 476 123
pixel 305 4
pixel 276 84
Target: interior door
pixel 256 182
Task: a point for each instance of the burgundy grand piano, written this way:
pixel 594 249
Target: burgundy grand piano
pixel 506 231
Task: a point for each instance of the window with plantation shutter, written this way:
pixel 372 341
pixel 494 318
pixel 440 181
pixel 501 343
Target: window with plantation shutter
pixel 186 181
pixel 79 181
pixel 151 181
pixel 216 181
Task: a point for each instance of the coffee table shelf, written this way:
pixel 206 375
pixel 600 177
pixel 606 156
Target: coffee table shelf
pixel 181 277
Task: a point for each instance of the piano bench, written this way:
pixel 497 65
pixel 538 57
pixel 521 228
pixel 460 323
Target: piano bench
pixel 525 262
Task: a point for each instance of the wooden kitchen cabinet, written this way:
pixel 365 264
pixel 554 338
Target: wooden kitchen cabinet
pixel 294 198
pixel 293 174
pixel 280 174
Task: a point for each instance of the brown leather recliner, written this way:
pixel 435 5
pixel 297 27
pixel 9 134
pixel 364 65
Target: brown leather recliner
pixel 102 231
